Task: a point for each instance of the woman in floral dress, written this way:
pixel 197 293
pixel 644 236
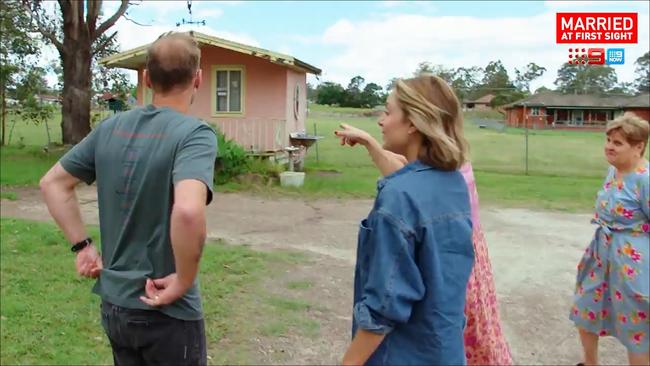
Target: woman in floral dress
pixel 611 297
pixel 484 341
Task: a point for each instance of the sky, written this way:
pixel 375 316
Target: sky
pixel 380 40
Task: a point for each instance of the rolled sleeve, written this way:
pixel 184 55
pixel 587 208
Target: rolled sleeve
pixel 80 160
pixel 195 159
pixel 394 280
pixel 368 319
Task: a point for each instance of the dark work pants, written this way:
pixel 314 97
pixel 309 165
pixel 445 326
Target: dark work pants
pixel 144 337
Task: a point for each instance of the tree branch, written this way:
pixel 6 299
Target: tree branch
pixel 41 28
pixel 110 21
pixel 105 43
pixel 125 16
pixel 77 16
pixel 92 15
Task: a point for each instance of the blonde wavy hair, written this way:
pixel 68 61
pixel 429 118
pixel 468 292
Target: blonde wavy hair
pixel 432 106
pixel 634 129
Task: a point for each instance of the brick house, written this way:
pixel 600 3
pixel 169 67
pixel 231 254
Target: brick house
pixel 480 104
pixel 553 110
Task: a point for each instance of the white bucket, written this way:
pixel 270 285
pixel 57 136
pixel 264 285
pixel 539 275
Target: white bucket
pixel 292 179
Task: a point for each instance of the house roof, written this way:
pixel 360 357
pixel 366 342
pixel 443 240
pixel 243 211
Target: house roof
pixel 642 101
pixel 486 99
pixel 135 58
pixel 555 99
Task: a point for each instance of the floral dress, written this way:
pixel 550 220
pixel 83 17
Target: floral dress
pixel 611 295
pixel 485 343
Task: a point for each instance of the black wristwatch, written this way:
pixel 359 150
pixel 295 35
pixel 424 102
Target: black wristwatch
pixel 80 245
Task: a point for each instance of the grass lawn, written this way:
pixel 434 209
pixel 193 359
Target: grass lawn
pixel 49 316
pixel 319 108
pixel 8 195
pixel 24 166
pixel 565 168
pixel 28 133
pixel 31 134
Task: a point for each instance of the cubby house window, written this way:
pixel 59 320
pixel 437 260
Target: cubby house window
pixel 229 89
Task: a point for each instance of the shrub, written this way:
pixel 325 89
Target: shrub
pixel 232 159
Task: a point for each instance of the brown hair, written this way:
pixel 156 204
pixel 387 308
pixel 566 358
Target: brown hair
pixel 432 106
pixel 172 61
pixel 634 129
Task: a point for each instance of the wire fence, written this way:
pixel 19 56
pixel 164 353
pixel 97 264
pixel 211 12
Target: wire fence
pixel 21 132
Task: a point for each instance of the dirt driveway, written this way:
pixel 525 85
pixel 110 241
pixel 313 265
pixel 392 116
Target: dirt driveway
pixel 534 256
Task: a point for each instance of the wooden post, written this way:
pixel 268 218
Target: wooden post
pixel 316 134
pixel 526 134
pixel 4 116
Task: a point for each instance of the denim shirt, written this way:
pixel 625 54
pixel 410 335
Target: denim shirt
pixel 414 258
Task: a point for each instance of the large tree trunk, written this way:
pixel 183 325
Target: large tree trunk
pixel 76 58
pixel 4 114
pixel 80 31
pixel 75 123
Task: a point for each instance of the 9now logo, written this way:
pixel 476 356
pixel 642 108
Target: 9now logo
pixel 596 56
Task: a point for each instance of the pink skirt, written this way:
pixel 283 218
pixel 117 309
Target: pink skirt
pixel 485 343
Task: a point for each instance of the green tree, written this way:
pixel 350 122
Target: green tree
pixel 525 77
pixel 109 79
pixel 495 76
pixel 624 88
pixel 642 73
pixel 466 81
pixel 586 79
pixel 329 93
pixel 423 68
pixel 496 81
pixel 372 95
pixel 32 84
pixel 391 84
pixel 55 67
pixel 79 33
pixel 542 89
pixel 18 51
pixel 30 108
pixel 311 92
pixel 352 95
pixel 507 96
pixel 443 72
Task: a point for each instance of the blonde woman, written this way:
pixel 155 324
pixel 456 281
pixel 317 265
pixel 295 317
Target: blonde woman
pixel 611 296
pixel 484 341
pixel 414 253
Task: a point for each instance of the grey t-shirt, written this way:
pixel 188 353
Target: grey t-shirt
pixel 136 157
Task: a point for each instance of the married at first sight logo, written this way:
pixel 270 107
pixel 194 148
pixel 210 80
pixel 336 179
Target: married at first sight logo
pixel 599 28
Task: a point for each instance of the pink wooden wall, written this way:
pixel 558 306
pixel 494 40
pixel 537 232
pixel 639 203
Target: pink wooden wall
pixel 268 101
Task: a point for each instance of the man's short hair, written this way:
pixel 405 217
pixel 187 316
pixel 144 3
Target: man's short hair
pixel 172 61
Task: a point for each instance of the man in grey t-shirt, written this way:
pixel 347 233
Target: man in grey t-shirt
pixel 153 167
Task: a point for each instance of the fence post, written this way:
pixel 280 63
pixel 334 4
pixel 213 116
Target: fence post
pixel 47 129
pixel 316 134
pixel 526 134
